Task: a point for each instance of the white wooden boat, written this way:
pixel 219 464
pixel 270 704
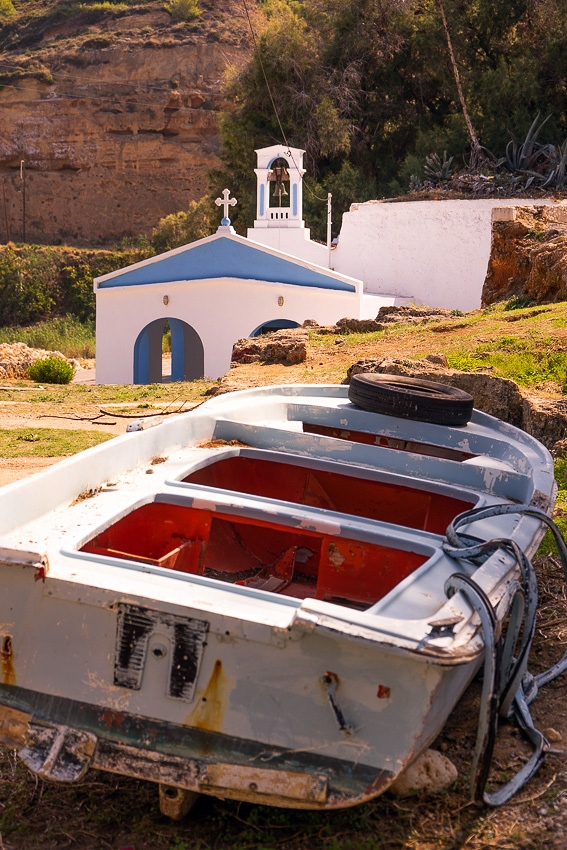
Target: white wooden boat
pixel 248 600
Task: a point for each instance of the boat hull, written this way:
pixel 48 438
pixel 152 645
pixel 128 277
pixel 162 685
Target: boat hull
pixel 264 622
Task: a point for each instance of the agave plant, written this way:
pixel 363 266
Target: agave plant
pixel 438 170
pixel 527 155
pixel 557 161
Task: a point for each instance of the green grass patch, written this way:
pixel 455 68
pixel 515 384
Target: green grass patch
pixel 67 335
pixel 528 360
pixel 79 395
pixel 47 442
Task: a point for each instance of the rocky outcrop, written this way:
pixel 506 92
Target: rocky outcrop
pixel 387 316
pixel 287 346
pixel 528 256
pixel 116 119
pixel 545 419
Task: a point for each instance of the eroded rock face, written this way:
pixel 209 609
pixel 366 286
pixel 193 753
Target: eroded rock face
pixel 529 256
pixel 119 130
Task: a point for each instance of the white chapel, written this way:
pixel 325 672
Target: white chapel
pixel 219 289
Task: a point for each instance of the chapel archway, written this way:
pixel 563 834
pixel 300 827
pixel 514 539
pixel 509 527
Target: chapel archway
pixel 274 325
pixel 187 353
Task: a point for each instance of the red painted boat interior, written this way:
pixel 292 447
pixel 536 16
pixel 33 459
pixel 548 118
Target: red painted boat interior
pixel 387 442
pixel 261 554
pixel 407 506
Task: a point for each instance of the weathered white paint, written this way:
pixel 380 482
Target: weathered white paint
pixel 426 252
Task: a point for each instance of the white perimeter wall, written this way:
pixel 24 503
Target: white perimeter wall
pixel 221 311
pixel 425 252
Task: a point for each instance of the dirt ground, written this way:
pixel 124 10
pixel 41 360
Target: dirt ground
pixel 111 812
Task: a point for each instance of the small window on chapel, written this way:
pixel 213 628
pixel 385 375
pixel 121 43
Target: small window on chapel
pixel 278 179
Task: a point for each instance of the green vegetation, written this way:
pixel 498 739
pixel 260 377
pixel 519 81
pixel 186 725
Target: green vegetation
pixel 83 397
pixel 51 370
pixel 47 442
pixel 6 8
pixel 518 303
pixel 67 335
pixel 368 90
pixel 530 360
pixel 183 10
pixel 548 545
pixel 200 220
pixel 37 282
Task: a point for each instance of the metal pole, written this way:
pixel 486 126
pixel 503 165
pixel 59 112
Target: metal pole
pixel 329 196
pixel 23 178
pixel 6 212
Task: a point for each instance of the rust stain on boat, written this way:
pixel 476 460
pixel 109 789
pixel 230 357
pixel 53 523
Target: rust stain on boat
pixel 112 719
pixel 209 712
pixel 6 657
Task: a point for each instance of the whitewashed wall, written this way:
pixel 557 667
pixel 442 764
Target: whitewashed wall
pixel 294 241
pixel 220 310
pixel 425 252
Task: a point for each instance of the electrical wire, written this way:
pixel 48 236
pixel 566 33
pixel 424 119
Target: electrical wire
pixel 288 152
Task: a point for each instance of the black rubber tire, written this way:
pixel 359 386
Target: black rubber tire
pixel 411 398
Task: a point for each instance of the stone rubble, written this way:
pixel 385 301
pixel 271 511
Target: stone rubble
pixel 16 357
pixel 287 346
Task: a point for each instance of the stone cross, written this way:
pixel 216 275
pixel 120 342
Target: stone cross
pixel 226 204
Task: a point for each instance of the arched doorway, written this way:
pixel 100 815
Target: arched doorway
pixel 274 325
pixel 187 353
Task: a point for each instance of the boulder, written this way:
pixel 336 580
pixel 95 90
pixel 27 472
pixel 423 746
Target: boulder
pixel 287 346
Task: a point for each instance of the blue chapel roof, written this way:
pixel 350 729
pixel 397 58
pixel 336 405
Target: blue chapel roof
pixel 225 257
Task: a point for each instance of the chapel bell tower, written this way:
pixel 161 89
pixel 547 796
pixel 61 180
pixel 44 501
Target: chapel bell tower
pixel 279 175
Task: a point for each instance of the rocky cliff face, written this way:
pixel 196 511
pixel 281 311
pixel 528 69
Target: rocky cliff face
pixel 116 118
pixel 528 255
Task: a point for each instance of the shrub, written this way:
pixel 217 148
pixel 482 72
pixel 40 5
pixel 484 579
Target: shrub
pixel 181 228
pixel 52 370
pixel 6 8
pixel 183 10
pixel 76 284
